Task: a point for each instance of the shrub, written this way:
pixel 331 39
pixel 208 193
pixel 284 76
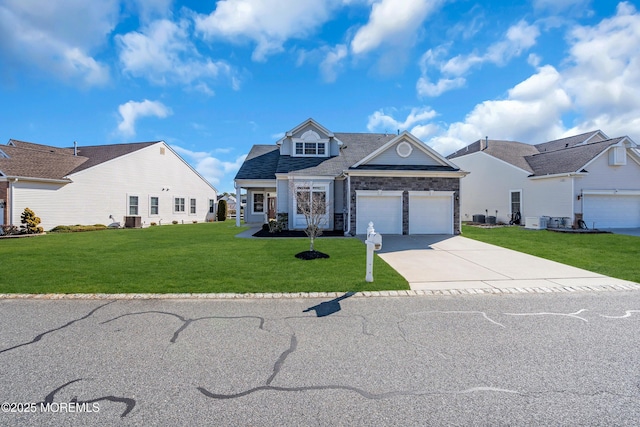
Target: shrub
pixel 174 222
pixel 30 221
pixel 153 224
pixel 77 228
pixel 222 210
pixel 9 230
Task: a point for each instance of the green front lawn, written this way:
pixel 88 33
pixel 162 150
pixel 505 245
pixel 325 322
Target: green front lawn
pixel 199 258
pixel 609 254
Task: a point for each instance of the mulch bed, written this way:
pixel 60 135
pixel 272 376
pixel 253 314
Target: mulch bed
pixel 309 255
pixel 297 233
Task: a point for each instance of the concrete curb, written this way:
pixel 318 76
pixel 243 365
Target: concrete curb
pixel 325 295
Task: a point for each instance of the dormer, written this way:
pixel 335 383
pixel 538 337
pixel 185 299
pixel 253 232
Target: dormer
pixel 310 144
pixel 309 139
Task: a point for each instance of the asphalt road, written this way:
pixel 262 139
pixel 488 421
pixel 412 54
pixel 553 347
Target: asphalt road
pixel 531 359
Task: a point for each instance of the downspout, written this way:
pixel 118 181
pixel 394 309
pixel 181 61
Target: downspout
pixel 348 211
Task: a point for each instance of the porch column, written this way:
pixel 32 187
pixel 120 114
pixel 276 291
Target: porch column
pixel 238 204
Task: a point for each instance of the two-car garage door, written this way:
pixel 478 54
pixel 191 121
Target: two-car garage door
pixel 430 212
pixel 611 211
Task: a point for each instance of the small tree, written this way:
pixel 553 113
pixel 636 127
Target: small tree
pixel 314 205
pixel 222 210
pixel 30 221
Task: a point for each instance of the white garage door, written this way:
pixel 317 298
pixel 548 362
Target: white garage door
pixel 383 208
pixel 609 211
pixel 430 212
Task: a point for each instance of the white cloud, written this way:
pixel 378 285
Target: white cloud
pixel 532 112
pixel 332 63
pixel 150 9
pixel 380 121
pixel 131 111
pixel 268 23
pixel 604 77
pixel 214 170
pixel 426 88
pixel 163 53
pixel 57 37
pixel 599 87
pixel 517 39
pixel 392 22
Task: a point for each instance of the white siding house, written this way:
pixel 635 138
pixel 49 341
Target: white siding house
pixel 103 185
pixel 588 176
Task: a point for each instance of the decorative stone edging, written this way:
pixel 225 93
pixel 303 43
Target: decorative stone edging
pixel 367 294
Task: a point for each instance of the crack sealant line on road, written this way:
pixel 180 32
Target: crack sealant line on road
pixel 365 294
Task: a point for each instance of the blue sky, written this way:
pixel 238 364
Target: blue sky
pixel 213 78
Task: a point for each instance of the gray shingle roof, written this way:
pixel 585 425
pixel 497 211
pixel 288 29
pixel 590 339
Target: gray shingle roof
pixel 566 160
pixel 564 155
pixel 264 161
pixel 561 144
pixel 31 160
pixel 261 163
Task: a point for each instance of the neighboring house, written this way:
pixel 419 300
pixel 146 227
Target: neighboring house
pixel 396 181
pixel 101 185
pixel 588 176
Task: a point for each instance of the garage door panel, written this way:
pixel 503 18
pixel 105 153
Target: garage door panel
pixel 430 214
pixel 611 211
pixel 384 211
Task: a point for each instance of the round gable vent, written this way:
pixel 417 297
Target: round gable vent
pixel 404 149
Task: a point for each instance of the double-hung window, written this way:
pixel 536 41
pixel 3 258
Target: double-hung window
pixel 192 206
pixel 154 206
pixel 212 206
pixel 133 205
pixel 178 204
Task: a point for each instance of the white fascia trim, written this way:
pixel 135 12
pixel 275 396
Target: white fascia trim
pixel 394 193
pixel 310 121
pixel 611 192
pixel 559 175
pixel 396 173
pixel 306 177
pixel 433 193
pixel 251 183
pixel 415 142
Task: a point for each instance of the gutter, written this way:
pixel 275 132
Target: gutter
pixel 559 175
pixel 48 180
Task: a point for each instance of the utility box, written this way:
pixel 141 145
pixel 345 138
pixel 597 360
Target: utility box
pixel 535 223
pixel 132 222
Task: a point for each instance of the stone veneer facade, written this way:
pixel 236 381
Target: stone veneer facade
pixel 405 184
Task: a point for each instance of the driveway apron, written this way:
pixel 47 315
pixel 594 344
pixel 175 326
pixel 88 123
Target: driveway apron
pixel 431 262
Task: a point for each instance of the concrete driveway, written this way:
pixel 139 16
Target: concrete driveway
pixel 432 262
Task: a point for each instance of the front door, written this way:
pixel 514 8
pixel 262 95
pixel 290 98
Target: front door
pixel 271 207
